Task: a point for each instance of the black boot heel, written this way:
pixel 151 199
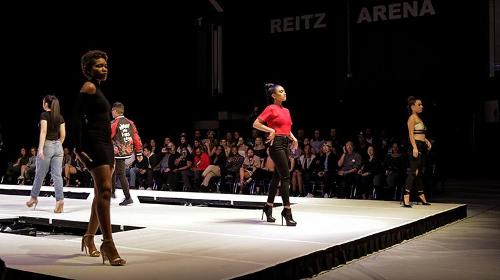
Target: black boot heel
pixel 268 210
pixel 287 215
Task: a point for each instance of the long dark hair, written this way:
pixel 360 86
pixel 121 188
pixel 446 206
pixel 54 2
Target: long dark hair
pixel 55 110
pixel 411 101
pixel 270 89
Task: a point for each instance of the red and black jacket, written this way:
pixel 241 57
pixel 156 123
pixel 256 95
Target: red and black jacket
pixel 125 138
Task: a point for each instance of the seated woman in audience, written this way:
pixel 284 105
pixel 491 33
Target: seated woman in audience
pixel 234 162
pixel 28 170
pixel 370 172
pixel 216 168
pixel 69 166
pixel 225 146
pixel 229 138
pixel 259 148
pixel 183 144
pixel 395 168
pixel 14 169
pixel 201 161
pixel 247 170
pixel 265 171
pixel 297 173
pixel 242 147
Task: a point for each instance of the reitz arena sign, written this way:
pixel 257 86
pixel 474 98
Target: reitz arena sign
pixel 395 11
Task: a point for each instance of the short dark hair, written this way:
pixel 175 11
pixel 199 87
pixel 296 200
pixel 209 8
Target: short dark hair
pixel 119 108
pixel 89 59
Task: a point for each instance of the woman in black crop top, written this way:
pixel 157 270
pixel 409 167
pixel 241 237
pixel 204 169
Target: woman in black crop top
pixel 93 147
pixel 50 152
pixel 418 150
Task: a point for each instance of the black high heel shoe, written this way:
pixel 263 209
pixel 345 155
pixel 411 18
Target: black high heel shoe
pixel 406 205
pixel 268 210
pixel 422 200
pixel 287 214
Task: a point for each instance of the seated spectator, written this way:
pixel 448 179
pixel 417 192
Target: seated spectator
pixel 183 163
pixel 259 148
pixel 305 171
pixel 327 165
pixel 317 142
pixel 251 141
pixel 395 170
pixel 349 164
pixel 210 142
pixel 14 169
pixel 334 138
pixel 152 145
pixel 167 167
pixel 197 135
pixel 242 147
pixel 371 173
pixel 362 145
pixel 265 172
pixel 300 135
pixel 247 170
pixel 154 164
pixel 216 169
pixel 236 137
pixel 197 144
pixel 69 166
pixel 166 141
pixel 292 163
pixel 230 140
pixel 141 172
pixel 234 162
pixel 28 170
pixel 225 146
pixel 201 161
pixel 184 144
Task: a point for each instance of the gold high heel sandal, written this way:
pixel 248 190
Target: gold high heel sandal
pixel 59 206
pixel 31 202
pixel 93 253
pixel 113 260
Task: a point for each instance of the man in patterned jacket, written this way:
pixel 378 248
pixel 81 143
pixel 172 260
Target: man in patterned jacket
pixel 126 141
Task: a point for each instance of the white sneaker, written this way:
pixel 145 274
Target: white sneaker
pixel 326 195
pixel 148 189
pixel 141 188
pixel 309 195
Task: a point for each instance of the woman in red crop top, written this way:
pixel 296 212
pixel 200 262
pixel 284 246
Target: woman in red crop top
pixel 276 120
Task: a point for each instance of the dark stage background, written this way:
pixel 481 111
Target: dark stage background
pixel 339 71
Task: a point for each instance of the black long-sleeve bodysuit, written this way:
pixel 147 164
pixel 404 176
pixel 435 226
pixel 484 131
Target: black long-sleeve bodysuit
pixel 93 129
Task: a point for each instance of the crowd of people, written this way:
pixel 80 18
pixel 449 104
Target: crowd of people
pixel 363 166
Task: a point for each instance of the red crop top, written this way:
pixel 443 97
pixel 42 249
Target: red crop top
pixel 277 118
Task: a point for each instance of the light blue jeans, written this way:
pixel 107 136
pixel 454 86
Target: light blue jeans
pixel 53 152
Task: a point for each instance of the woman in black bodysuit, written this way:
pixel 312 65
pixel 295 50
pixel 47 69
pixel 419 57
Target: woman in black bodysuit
pixel 94 149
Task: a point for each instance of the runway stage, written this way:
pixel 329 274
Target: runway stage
pixel 220 237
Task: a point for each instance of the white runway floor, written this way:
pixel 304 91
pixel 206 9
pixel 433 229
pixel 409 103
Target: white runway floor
pixel 193 242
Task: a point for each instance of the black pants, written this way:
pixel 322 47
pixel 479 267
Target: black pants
pixel 279 153
pixel 415 174
pixel 120 175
